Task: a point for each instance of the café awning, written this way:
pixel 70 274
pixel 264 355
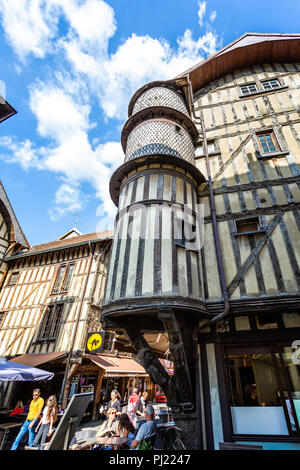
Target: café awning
pixel 36 359
pixel 118 366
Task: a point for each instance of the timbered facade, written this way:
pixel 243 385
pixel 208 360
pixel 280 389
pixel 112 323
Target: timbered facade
pixel 231 308
pixel 218 146
pixel 50 300
pixel 246 101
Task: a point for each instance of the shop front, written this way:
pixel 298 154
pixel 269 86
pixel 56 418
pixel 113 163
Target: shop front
pixel 101 373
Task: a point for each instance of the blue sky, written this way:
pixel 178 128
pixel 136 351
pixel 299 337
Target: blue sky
pixel 70 67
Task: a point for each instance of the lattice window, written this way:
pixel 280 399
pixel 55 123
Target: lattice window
pixel 63 278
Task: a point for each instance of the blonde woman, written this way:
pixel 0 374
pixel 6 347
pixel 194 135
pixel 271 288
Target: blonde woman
pixel 49 417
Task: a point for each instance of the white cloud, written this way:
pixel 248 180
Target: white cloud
pixel 201 12
pixel 68 198
pixel 29 26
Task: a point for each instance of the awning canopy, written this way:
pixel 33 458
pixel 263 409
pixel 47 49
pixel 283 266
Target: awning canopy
pixel 36 359
pixel 117 366
pixel 10 371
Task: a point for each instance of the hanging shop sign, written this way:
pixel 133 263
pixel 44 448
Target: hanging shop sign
pixel 94 343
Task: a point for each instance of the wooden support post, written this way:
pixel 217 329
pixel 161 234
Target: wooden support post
pixel 97 393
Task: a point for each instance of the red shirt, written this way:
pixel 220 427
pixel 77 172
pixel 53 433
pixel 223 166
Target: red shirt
pixel 17 411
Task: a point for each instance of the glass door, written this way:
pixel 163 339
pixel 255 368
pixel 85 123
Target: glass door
pixel 263 390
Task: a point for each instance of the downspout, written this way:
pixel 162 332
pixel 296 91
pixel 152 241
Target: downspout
pixel 67 370
pixel 217 243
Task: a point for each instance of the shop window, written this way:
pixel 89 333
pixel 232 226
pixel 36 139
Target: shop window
pixel 51 323
pixel 13 278
pixel 63 278
pixel 263 390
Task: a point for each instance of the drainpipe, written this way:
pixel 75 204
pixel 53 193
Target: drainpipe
pixel 220 264
pixel 75 327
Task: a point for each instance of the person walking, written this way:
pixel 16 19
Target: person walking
pixel 48 418
pixel 35 410
pixel 114 402
pixel 131 403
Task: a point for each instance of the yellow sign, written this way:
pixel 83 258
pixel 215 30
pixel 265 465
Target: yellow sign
pixel 94 342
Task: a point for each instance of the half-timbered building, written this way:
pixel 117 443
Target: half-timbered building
pixel 216 147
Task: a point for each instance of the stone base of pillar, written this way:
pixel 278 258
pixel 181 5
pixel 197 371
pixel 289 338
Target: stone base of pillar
pixel 188 434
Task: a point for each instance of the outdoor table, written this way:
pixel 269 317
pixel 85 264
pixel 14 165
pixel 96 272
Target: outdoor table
pixel 115 441
pixel 4 430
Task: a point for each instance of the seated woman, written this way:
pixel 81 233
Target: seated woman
pixel 107 428
pixel 125 428
pixel 19 408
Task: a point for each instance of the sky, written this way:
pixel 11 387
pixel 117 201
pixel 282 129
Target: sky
pixel 70 68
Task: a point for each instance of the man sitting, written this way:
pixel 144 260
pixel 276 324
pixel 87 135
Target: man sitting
pixel 147 429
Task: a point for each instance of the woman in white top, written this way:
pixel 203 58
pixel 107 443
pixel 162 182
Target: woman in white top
pixel 48 418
